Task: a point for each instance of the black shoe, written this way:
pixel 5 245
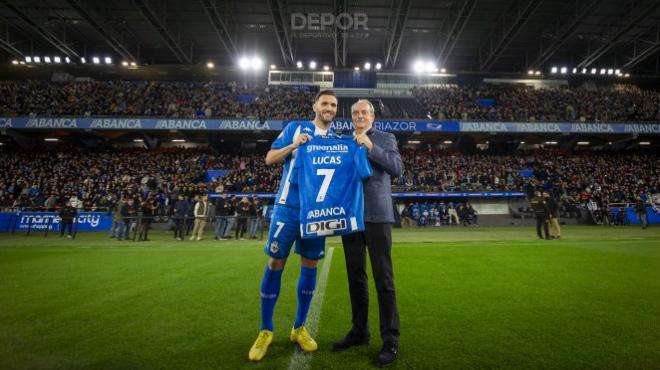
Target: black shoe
pixel 348 342
pixel 388 354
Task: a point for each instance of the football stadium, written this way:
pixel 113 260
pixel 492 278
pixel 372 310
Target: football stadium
pixel 280 184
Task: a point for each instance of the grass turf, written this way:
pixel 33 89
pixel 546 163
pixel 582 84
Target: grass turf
pixel 468 298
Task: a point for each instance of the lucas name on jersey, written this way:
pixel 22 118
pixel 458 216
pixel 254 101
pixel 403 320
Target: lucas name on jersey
pixel 327 160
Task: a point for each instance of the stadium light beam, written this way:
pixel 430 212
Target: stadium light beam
pixel 367 66
pixel 67 60
pixel 553 70
pixel 244 63
pixel 108 60
pixel 37 59
pixel 57 60
pixel 299 64
pixel 83 60
pixel 312 65
pixel 28 59
pixel 378 66
pixel 563 70
pixel 96 60
pixel 256 63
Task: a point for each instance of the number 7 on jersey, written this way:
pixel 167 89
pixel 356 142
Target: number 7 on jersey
pixel 327 174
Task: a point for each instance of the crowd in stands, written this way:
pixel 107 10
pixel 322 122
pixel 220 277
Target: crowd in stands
pixel 573 178
pixel 96 179
pixel 510 102
pixel 514 102
pixel 155 99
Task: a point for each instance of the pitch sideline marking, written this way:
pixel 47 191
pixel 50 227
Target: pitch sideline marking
pixel 301 360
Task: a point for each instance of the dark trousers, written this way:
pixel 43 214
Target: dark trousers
pixel 542 221
pixel 241 227
pixel 178 228
pixel 64 225
pixel 377 238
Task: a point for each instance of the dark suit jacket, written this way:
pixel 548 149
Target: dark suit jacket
pixel 386 163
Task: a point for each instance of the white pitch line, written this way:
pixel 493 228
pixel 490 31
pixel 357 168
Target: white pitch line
pixel 301 360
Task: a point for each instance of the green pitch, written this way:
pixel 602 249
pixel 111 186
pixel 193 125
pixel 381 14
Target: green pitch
pixel 468 298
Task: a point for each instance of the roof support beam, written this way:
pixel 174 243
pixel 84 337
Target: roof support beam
pixel 565 33
pixel 220 26
pixel 281 23
pixel 506 29
pixel 7 46
pixel 43 32
pixel 116 45
pixel 399 19
pixel 615 38
pixel 455 30
pixel 340 36
pixel 149 14
pixel 652 47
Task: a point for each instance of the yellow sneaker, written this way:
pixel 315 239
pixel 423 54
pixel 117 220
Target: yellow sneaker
pixel 304 340
pixel 260 346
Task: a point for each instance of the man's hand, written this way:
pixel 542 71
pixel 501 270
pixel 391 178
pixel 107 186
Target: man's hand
pixel 300 140
pixel 363 139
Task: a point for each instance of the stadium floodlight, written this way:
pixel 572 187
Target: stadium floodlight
pixel 356 69
pixel 617 71
pixel 256 63
pixel 447 142
pixel 594 71
pixel 37 59
pixel 57 59
pixel 326 68
pixel 83 60
pixel 563 70
pixel 367 66
pixel 210 65
pixel 138 141
pixel 124 63
pixel 96 60
pixel 582 143
pixel 273 66
pixel 603 71
pixel 522 142
pixel 28 59
pixel 443 70
pixel 644 143
pixel 133 64
pixel 14 62
pixel 610 71
pixel 414 141
pixel 584 71
pixel 21 62
pixel 430 67
pixel 418 66
pixel 551 142
pixel 574 70
pixel 530 72
pixel 108 60
pixel 312 65
pixel 46 59
pixel 51 139
pixel 553 70
pixel 626 75
pixel 244 63
pixel 178 140
pixel 67 60
pixel 378 66
pixel 299 64
pixel 537 73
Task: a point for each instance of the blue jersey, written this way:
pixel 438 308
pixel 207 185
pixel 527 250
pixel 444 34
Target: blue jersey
pixel 287 195
pixel 330 172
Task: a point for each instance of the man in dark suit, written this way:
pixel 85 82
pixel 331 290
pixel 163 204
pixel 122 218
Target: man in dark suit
pixel 377 237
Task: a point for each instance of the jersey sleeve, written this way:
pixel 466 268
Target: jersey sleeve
pixel 362 162
pixel 285 137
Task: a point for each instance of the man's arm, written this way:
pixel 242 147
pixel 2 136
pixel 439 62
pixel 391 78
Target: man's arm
pixel 275 156
pixel 387 156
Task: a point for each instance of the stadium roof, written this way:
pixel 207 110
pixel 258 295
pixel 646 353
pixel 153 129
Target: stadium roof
pixel 467 35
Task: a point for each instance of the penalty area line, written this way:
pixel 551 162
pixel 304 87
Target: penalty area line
pixel 301 360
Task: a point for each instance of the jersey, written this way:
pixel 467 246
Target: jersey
pixel 330 171
pixel 287 194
